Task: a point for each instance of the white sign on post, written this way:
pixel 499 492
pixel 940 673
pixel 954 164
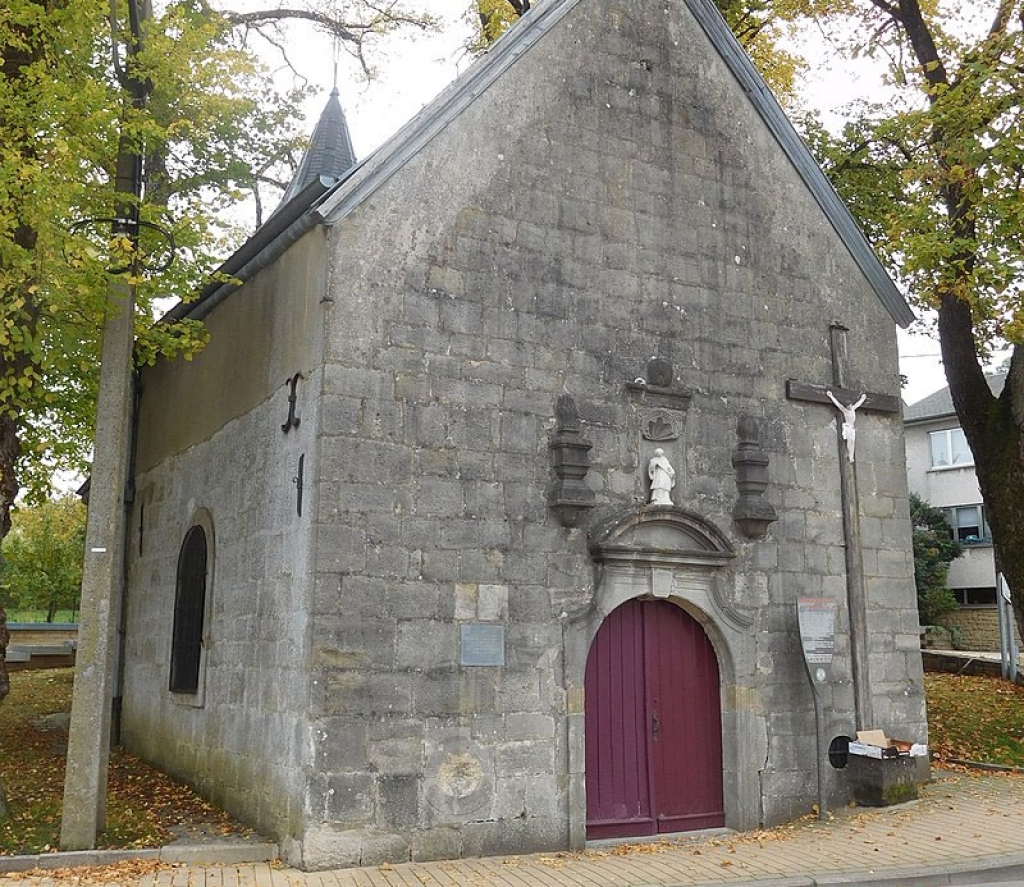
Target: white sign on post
pixel 817 619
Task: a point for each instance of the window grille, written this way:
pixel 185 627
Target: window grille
pixel 189 606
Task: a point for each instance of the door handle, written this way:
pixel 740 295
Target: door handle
pixel 655 725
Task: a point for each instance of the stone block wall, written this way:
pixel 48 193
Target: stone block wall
pixel 976 628
pixel 614 198
pixel 212 451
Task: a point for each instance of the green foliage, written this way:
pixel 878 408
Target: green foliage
pixel 764 29
pixel 933 175
pixel 62 115
pixel 495 18
pixel 934 550
pixel 42 557
pixel 34 615
pixel 214 127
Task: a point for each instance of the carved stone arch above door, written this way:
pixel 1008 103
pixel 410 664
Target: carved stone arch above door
pixel 662 535
pixel 670 553
pixel 648 546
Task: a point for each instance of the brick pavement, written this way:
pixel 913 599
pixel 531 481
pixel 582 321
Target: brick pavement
pixel 962 821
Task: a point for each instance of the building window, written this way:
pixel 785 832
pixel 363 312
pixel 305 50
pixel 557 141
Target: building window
pixel 968 524
pixel 975 597
pixel 189 608
pixel 949 449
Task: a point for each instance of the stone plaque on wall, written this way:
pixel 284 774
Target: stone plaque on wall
pixel 482 644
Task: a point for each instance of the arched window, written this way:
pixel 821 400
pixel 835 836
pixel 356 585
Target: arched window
pixel 189 607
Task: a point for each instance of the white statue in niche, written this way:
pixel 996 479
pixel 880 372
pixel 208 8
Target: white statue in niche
pixel 849 421
pixel 663 478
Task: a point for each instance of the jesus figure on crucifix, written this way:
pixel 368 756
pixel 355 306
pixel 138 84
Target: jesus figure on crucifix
pixel 849 421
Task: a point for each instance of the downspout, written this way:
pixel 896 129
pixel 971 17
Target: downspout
pixel 129 501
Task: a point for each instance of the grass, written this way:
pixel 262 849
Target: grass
pixel 975 719
pixel 144 805
pixel 40 616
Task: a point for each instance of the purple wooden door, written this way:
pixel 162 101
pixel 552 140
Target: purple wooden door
pixel 653 724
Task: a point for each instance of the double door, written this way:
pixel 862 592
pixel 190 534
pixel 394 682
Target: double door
pixel 653 724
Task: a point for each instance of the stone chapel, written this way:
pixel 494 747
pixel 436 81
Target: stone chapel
pixel 479 525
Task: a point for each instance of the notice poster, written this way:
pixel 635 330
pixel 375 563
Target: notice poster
pixel 817 619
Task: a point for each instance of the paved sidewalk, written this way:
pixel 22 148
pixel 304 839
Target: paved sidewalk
pixel 963 822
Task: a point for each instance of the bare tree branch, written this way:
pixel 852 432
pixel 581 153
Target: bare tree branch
pixel 1001 18
pixel 280 47
pixel 342 30
pixel 350 32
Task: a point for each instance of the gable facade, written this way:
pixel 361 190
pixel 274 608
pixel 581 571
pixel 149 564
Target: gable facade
pixel 404 669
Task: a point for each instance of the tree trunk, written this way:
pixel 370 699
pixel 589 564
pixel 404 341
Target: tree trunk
pixel 993 426
pixel 10 449
pixel 5 683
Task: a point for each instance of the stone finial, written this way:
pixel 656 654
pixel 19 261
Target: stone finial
pixel 659 372
pixel 658 388
pixel 748 432
pixel 751 513
pixel 568 495
pixel 567 414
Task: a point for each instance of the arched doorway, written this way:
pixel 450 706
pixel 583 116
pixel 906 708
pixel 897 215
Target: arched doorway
pixel 653 724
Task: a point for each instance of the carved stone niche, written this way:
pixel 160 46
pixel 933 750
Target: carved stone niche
pixel 751 513
pixel 569 497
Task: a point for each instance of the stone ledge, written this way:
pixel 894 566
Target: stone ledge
pixel 963 663
pixel 211 854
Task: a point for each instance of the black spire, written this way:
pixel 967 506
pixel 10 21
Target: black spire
pixel 330 149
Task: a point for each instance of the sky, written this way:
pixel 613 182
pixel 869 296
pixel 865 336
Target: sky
pixel 412 70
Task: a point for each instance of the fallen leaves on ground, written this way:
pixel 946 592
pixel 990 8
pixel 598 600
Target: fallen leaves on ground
pixel 116 873
pixel 975 718
pixel 143 804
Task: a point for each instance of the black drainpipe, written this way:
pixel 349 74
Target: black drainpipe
pixel 129 500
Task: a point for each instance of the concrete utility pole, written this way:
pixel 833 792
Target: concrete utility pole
pixel 85 783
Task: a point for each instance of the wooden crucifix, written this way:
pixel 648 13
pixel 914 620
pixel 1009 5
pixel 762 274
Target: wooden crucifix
pixel 848 401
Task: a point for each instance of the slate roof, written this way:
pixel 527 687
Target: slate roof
pixel 330 149
pixel 328 158
pixel 940 403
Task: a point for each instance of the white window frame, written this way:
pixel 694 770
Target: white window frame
pixel 947 435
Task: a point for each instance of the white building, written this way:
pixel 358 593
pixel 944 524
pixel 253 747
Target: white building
pixel 940 469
